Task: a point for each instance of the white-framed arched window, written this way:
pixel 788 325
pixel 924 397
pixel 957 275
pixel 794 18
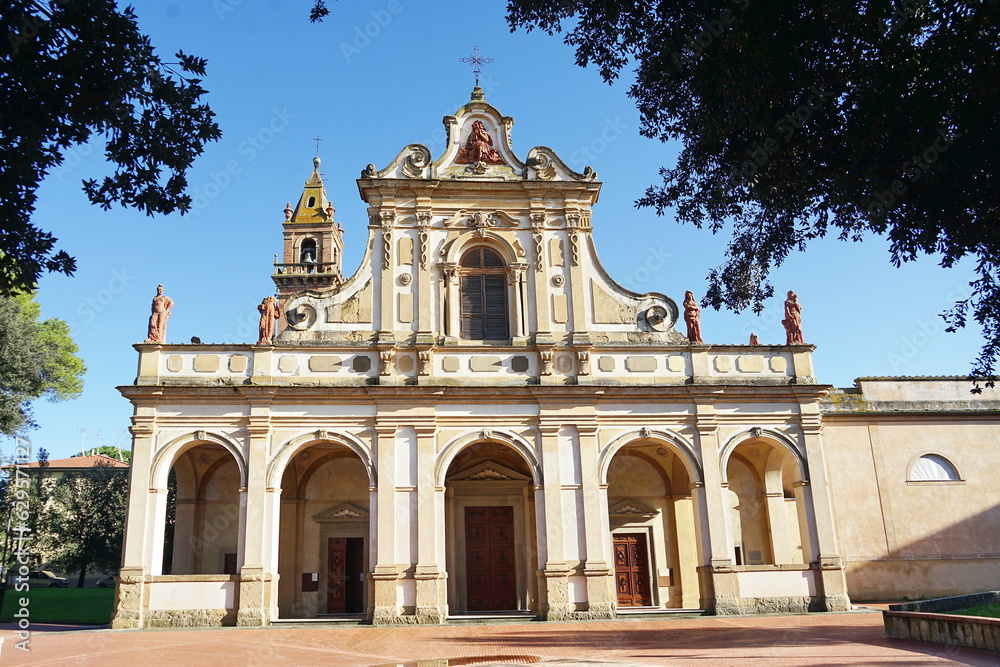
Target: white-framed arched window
pixel 932 468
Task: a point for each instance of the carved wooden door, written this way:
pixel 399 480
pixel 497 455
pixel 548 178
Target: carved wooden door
pixel 336 573
pixel 632 571
pixel 491 581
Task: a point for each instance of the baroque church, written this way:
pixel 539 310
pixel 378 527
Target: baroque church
pixel 481 421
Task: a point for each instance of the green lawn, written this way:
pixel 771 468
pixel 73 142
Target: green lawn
pixel 62 605
pixel 988 610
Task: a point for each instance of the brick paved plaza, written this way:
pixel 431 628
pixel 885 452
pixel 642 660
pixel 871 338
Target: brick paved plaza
pixel 814 639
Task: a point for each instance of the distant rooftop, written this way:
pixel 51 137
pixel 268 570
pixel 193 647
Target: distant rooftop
pixel 79 462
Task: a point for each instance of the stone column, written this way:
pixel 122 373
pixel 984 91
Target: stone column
pixel 451 308
pixel 385 574
pixel 517 309
pixel 601 599
pixel 430 576
pixel 255 527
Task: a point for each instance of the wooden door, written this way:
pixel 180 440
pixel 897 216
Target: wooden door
pixel 336 573
pixel 632 570
pixel 355 575
pixel 491 581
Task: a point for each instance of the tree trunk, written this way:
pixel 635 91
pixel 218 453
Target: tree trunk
pixel 83 573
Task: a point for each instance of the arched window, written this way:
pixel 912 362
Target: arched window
pixel 484 296
pixel 933 468
pixel 307 251
pixel 311 202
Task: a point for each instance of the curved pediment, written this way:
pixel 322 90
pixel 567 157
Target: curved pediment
pixel 488 471
pixel 479 148
pixel 342 512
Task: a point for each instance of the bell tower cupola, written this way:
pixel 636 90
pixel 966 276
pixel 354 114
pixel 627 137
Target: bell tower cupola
pixel 313 242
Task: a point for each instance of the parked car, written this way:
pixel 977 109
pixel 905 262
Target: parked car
pixel 43 578
pixel 107 582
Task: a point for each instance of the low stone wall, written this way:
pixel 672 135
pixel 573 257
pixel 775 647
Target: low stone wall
pixel 922 621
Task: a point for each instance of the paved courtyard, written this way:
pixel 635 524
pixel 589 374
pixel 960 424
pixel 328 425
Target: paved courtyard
pixel 815 639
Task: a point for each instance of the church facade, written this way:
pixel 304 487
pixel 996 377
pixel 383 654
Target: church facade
pixel 481 421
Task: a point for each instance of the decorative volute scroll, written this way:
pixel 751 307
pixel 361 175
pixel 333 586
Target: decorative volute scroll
pixel 412 162
pixel 547 166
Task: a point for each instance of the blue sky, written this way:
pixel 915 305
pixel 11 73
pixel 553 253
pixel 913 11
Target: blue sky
pixel 372 78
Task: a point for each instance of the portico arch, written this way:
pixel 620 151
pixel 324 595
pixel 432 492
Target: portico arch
pixel 650 475
pixel 325 539
pixel 491 535
pixel 202 526
pixel 291 447
pixel 771 519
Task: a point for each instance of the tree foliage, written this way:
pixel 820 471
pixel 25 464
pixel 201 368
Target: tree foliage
pixel 110 451
pixel 798 119
pixel 37 360
pixel 85 520
pixel 72 70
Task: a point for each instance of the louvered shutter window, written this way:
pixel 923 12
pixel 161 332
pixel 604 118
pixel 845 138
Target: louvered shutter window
pixel 483 286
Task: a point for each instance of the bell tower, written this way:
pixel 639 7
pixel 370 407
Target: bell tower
pixel 313 243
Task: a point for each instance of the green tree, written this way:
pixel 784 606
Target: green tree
pixel 73 69
pixel 23 497
pixel 109 450
pixel 798 119
pixel 37 359
pixel 84 521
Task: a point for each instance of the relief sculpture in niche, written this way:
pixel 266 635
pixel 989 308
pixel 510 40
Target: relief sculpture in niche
pixel 479 147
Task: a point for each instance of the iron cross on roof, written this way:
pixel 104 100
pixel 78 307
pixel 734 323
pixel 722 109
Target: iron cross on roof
pixel 476 60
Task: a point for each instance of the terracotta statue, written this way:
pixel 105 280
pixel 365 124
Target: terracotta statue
pixel 479 147
pixel 692 317
pixel 270 312
pixel 754 340
pixel 158 319
pixel 793 319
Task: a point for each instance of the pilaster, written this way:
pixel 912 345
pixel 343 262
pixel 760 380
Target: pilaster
pixel 430 575
pixel 385 574
pixel 255 524
pixel 555 571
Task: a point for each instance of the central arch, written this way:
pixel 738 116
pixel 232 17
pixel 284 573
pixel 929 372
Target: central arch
pixel 491 547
